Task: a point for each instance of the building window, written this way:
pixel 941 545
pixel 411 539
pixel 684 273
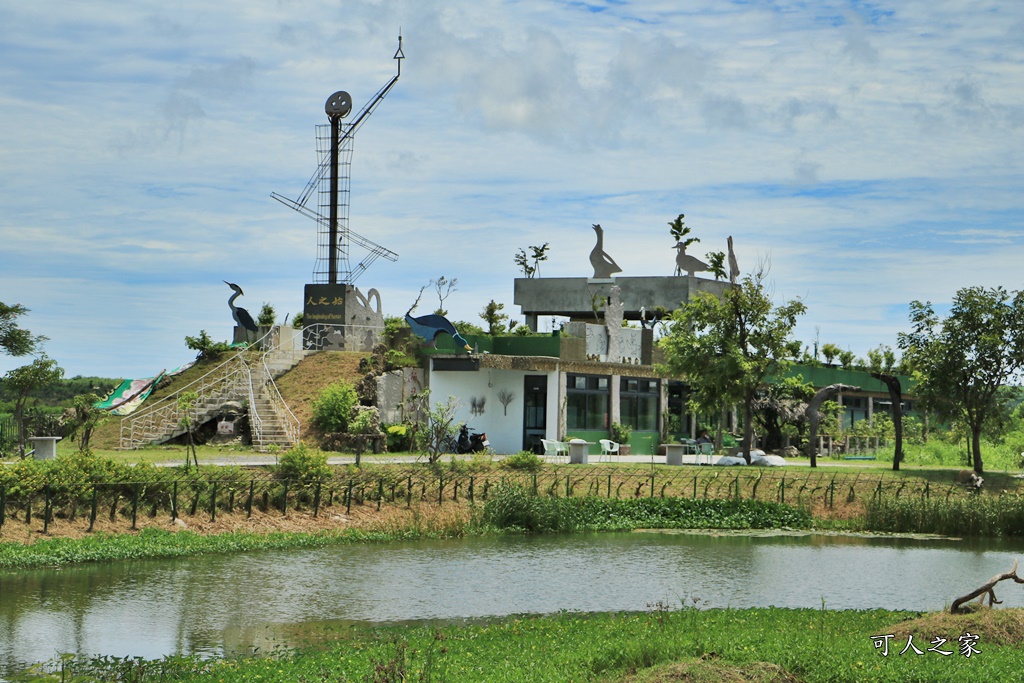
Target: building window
pixel 586 402
pixel 638 403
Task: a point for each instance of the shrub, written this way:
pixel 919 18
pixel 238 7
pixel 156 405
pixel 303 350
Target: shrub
pixel 524 460
pixel 333 407
pixel 303 466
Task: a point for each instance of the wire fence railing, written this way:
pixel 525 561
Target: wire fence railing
pixel 249 493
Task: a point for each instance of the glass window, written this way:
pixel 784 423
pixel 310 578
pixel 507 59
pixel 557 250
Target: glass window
pixel 638 404
pixel 587 402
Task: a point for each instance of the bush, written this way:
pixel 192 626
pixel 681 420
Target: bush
pixel 333 407
pixel 303 466
pixel 524 460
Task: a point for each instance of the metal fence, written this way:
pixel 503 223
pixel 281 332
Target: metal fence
pixel 176 496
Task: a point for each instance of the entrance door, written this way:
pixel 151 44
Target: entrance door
pixel 535 393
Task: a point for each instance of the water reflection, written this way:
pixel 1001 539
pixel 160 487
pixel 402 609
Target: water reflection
pixel 235 603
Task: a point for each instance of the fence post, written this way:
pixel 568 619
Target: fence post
pixel 92 511
pixel 471 490
pixel 248 502
pixel 174 501
pixel 3 504
pixel 609 486
pixel 348 498
pixel 568 491
pixel 284 500
pixel 135 503
pixel 534 483
pixel 213 503
pixel 652 484
pixel 408 492
pixel 736 485
pixel 46 508
pixel 440 490
pixel 316 500
pixel 782 489
pixel 380 493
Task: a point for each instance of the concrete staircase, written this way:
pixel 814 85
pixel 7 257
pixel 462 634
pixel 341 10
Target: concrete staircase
pixel 245 378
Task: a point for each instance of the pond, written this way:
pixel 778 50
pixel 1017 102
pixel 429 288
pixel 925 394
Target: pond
pixel 231 604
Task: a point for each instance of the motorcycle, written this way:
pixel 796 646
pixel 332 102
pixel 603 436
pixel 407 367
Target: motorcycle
pixel 471 442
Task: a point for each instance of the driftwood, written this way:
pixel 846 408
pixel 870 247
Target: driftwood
pixel 813 417
pixel 988 589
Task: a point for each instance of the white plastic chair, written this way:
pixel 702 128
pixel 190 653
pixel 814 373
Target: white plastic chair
pixel 608 448
pixel 554 449
pixel 707 449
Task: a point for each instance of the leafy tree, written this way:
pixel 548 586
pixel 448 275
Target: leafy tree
pixel 881 359
pixel 23 381
pixel 781 405
pixel 298 321
pixel 716 264
pixel 726 347
pixel 537 254
pixel 494 318
pixel 186 403
pixel 439 428
pixel 830 351
pixel 847 359
pixel 679 231
pixel 83 417
pixel 15 341
pixel 207 348
pixel 267 316
pixel 961 362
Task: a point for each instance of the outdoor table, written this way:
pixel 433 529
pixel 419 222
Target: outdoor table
pixel 578 452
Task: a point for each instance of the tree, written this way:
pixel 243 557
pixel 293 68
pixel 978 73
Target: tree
pixel 444 288
pixel 494 318
pixel 881 365
pixel 961 362
pixel 186 404
pixel 23 381
pixel 83 417
pixel 679 231
pixel 14 340
pixel 782 404
pixel 726 347
pixel 267 316
pixel 716 264
pixel 830 351
pixel 206 348
pixel 537 254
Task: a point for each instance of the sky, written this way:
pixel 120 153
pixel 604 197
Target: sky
pixel 870 154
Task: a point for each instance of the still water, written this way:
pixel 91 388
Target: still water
pixel 231 604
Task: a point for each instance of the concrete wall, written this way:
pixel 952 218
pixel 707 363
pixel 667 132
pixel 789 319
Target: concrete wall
pixel 505 431
pixel 575 296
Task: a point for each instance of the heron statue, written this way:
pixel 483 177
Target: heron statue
pixel 241 316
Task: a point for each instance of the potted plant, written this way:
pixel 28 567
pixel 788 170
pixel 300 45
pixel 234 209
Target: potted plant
pixel 620 435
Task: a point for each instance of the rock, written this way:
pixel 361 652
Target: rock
pixel 180 523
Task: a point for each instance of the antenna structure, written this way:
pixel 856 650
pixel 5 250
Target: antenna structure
pixel 331 181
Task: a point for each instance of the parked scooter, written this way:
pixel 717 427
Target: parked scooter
pixel 471 442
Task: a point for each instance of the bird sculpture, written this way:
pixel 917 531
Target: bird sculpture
pixel 241 316
pixel 430 326
pixel 686 263
pixel 604 265
pixel 734 266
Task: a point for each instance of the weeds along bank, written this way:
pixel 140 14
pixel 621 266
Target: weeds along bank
pixel 664 644
pixel 82 496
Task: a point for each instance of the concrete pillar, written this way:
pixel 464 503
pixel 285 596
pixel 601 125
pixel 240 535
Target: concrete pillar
pixel 614 410
pixel 871 411
pixel 531 321
pixel 561 394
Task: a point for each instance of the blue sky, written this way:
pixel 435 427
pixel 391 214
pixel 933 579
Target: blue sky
pixel 870 152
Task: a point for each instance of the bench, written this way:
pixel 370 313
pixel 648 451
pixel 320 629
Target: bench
pixel 859 457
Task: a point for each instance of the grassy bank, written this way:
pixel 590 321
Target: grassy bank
pixel 764 645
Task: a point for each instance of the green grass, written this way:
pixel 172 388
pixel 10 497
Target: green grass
pixel 157 543
pixel 813 645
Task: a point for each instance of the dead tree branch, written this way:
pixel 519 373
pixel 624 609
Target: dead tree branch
pixel 988 589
